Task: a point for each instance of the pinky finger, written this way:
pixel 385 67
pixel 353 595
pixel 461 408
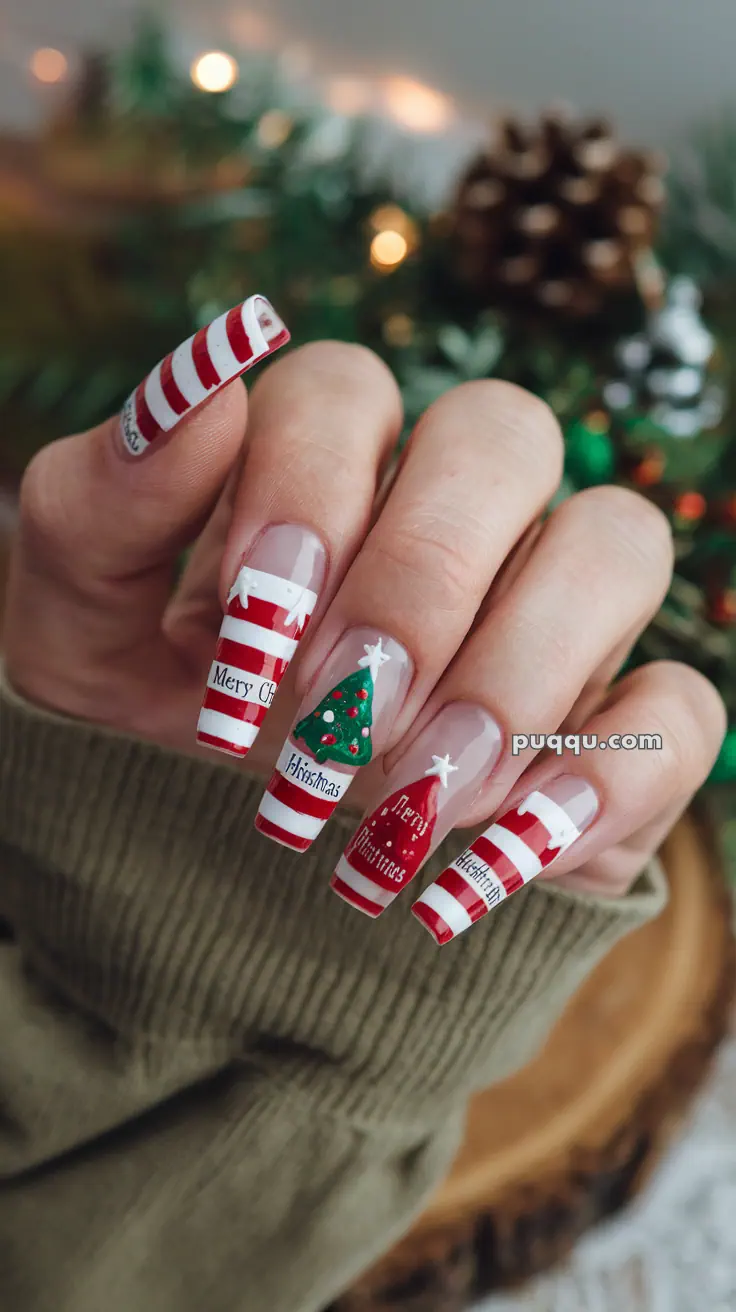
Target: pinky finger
pixel 596 818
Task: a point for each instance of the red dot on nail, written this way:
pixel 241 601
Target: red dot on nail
pixel 337 694
pixel 362 693
pixel 352 712
pixel 353 749
pixel 328 739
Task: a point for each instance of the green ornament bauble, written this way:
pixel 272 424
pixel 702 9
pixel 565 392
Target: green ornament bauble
pixel 589 452
pixel 724 770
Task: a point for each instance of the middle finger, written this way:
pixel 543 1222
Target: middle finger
pixel 480 466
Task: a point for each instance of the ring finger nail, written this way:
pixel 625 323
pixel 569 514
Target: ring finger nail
pixel 522 843
pixel 340 726
pixel 425 793
pixel 269 606
pixel 198 368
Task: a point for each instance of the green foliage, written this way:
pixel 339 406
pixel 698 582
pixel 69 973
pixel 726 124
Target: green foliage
pixel 91 301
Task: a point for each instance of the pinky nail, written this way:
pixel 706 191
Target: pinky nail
pixel 523 842
pixel 268 610
pixel 424 796
pixel 206 362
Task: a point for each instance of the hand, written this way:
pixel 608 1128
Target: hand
pixel 493 624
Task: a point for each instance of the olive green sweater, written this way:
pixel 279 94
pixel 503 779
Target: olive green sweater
pixel 221 1089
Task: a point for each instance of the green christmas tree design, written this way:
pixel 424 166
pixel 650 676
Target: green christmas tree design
pixel 339 729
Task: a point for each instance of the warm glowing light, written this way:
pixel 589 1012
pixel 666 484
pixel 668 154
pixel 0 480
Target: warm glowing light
pixel 388 249
pixel 416 106
pixel 348 95
pixel 274 128
pixel 392 216
pixel 49 65
pixel 214 71
pixel 398 330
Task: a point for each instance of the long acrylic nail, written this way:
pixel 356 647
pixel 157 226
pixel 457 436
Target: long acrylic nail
pixel 269 606
pixel 341 725
pixel 198 368
pixel 424 795
pixel 522 843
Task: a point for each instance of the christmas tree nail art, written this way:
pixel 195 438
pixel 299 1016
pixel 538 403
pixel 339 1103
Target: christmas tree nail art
pixel 426 793
pixel 339 729
pixel 334 738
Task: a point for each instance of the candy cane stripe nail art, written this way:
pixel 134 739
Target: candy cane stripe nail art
pixel 522 843
pixel 267 615
pixel 204 363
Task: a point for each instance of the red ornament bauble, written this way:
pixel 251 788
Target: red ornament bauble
pixel 361 694
pixel 722 608
pixel 648 471
pixel 328 739
pixel 337 694
pixel 690 506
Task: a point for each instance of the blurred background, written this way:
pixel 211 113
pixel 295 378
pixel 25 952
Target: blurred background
pixel 655 73
pixel 544 192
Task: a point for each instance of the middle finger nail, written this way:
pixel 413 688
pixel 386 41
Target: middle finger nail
pixel 341 725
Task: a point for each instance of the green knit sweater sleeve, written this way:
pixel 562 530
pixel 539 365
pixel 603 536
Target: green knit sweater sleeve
pixel 220 1087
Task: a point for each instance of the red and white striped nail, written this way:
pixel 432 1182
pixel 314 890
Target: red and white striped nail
pixel 268 610
pixel 198 368
pixel 345 720
pixel 425 795
pixel 522 843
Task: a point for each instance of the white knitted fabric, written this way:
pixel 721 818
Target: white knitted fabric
pixel 674 1249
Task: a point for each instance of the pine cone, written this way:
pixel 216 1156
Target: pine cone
pixel 552 217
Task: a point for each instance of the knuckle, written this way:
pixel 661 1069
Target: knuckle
pixel 45 522
pixel 698 711
pixel 636 526
pixel 523 425
pixel 347 366
pixel 689 715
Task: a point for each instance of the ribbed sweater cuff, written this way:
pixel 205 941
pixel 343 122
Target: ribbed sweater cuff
pixel 136 884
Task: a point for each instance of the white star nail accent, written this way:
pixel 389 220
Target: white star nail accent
pixel 374 658
pixel 298 611
pixel 242 587
pixel 442 767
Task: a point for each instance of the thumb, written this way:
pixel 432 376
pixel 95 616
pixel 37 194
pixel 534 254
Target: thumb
pixel 99 536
